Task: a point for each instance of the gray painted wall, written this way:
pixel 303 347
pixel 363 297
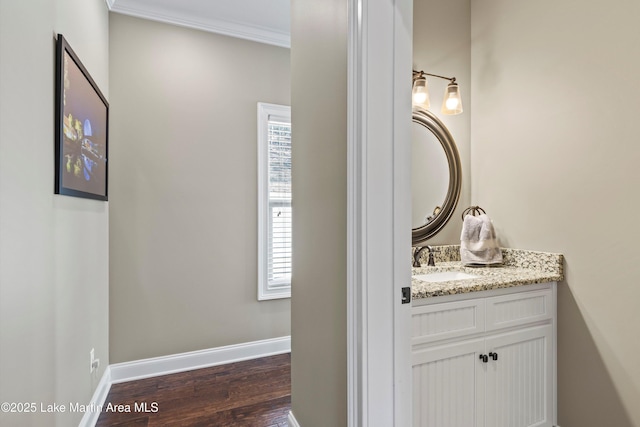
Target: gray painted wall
pixel 183 186
pixel 319 290
pixel 555 158
pixel 53 249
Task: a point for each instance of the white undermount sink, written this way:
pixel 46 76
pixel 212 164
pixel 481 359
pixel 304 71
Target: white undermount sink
pixel 445 276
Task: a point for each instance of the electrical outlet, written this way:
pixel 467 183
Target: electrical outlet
pixel 94 363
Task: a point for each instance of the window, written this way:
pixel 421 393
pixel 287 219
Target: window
pixel 274 201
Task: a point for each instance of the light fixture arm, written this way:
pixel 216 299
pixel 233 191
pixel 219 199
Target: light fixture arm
pixel 419 74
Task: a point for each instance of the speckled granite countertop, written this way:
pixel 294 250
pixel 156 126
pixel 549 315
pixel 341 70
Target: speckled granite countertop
pixel 520 267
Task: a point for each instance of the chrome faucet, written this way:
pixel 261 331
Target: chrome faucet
pixel 416 256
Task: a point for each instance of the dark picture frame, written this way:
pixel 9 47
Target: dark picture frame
pixel 82 129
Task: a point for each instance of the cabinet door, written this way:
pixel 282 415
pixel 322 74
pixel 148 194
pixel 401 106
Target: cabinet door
pixel 448 385
pixel 520 382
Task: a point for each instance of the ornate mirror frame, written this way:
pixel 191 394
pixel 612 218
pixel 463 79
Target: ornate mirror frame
pixel 427 119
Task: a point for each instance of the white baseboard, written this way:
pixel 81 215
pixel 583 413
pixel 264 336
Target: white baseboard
pixel 292 420
pixel 146 368
pixel 92 413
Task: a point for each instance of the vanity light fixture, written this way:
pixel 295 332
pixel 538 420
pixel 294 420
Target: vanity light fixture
pixel 452 102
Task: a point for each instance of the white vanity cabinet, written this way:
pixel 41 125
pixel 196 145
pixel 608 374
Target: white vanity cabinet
pixel 485 359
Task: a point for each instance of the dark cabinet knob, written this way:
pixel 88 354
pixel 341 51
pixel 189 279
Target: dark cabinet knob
pixel 484 358
pixel 493 355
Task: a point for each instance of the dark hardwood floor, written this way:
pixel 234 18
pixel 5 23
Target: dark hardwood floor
pixel 254 393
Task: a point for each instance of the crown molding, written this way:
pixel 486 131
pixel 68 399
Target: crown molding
pixel 184 19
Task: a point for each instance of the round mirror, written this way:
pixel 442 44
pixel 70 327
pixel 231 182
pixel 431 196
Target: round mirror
pixel 436 176
pixel 429 175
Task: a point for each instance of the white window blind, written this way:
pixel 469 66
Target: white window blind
pixel 274 201
pixel 279 235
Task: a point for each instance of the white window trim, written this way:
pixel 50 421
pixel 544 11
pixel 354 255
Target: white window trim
pixel 278 289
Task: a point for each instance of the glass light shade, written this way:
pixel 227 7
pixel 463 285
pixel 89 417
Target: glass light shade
pixel 420 95
pixel 452 102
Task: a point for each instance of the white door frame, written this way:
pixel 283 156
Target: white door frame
pixel 379 203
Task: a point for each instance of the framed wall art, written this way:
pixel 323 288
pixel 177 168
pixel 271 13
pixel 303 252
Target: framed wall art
pixel 82 129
